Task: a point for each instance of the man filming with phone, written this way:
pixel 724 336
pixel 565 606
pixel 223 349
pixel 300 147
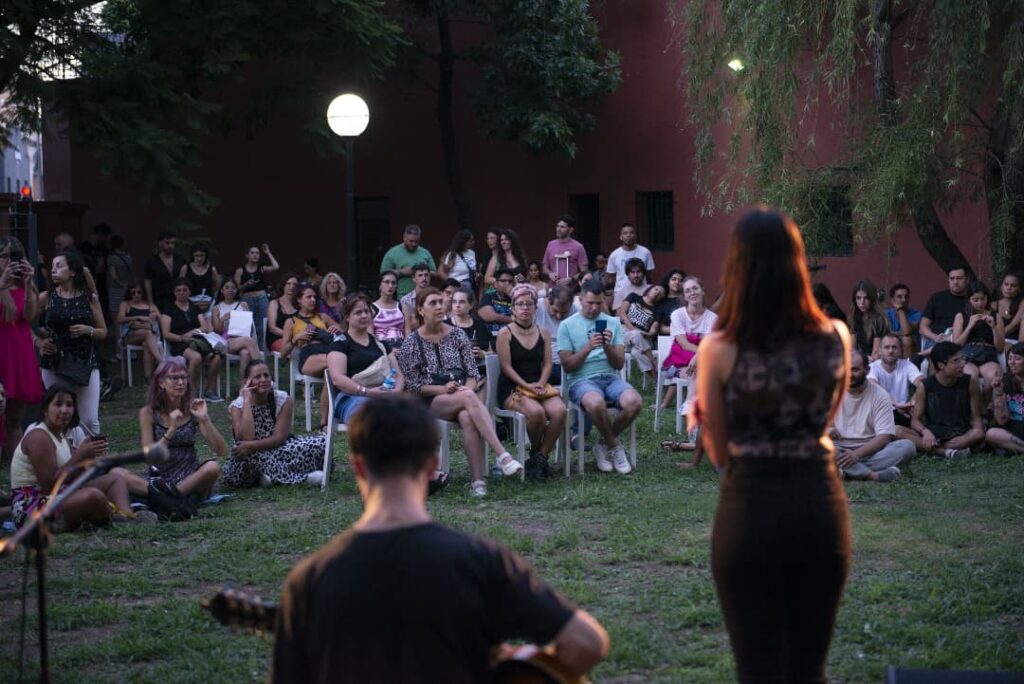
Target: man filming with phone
pixel 591 352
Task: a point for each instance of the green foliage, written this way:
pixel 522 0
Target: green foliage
pixel 154 77
pixel 809 62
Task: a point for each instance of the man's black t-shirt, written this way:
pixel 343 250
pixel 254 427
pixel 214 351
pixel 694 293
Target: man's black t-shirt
pixel 162 281
pixel 358 358
pixel 416 604
pixel 942 308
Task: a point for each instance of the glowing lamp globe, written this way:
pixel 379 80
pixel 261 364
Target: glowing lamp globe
pixel 348 115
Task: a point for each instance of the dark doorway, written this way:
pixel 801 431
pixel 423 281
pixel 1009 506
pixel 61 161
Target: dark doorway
pixel 373 226
pixel 586 208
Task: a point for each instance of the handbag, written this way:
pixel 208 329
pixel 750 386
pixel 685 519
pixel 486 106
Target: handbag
pixel 320 335
pixel 527 391
pixel 374 374
pixel 74 370
pixel 444 375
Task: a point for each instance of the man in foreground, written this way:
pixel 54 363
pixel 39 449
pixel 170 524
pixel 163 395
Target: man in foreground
pixel 400 598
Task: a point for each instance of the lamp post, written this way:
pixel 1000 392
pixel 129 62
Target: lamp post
pixel 348 116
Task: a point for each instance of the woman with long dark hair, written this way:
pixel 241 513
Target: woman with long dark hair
pixel 868 323
pixel 459 260
pixel 510 255
pixel 1010 307
pixel 771 376
pixel 19 366
pixel 72 323
pixel 280 310
pixel 388 319
pixel 981 335
pixel 251 278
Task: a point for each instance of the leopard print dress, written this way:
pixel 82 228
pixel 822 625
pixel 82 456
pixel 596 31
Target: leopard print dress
pixel 288 463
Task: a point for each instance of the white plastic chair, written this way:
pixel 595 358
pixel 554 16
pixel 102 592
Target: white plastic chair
pixel 309 382
pixel 127 350
pixel 681 384
pixel 574 408
pixel 229 357
pixel 521 438
pixel 332 427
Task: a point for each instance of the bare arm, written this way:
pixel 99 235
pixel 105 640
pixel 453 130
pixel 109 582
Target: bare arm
pixel 1000 411
pixel 716 357
pixel 148 284
pixel 242 424
pixel 581 644
pixel 976 423
pixel 489 315
pixel 492 266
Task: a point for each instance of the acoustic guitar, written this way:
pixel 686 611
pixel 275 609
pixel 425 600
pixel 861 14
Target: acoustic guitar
pixel 512 664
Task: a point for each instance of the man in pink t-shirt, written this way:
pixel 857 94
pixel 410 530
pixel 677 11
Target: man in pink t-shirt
pixel 564 257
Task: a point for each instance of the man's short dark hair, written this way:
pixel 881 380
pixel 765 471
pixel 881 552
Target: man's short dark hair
pixel 167 234
pixel 942 352
pixel 569 220
pixel 893 336
pixel 593 286
pixel 504 270
pixel 560 293
pixel 896 288
pixel 863 357
pixel 452 282
pixel 412 229
pixel 957 267
pixel 636 263
pixel 422 266
pixel 394 435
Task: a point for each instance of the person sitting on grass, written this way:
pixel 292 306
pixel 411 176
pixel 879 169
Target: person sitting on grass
pixel 1008 405
pixel 264 452
pixel 947 410
pixel 896 376
pixel 45 460
pixel 523 386
pixel 171 416
pixel 863 429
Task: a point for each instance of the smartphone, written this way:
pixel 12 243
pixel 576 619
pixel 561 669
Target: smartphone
pixel 600 325
pixel 16 255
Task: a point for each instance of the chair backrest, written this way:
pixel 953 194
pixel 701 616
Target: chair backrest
pixel 493 365
pixel 664 347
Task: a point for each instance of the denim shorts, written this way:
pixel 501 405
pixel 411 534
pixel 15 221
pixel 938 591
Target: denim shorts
pixel 609 385
pixel 345 406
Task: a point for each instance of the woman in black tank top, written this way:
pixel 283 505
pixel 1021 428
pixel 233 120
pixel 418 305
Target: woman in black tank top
pixel 770 378
pixel 138 318
pixel 981 335
pixel 1010 307
pixel 524 350
pixel 202 276
pixel 252 285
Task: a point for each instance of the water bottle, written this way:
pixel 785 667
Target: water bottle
pixel 496 471
pixel 389 382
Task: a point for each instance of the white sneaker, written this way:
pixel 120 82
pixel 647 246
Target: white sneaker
pixel 957 453
pixel 478 488
pixel 508 464
pixel 601 455
pixel 315 478
pixel 621 462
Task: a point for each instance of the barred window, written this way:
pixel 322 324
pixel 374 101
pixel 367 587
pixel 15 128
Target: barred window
pixel 655 215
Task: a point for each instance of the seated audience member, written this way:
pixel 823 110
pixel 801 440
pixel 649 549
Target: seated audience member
pixel 243 345
pixel 310 333
pixel 388 318
pixel 448 287
pixel 867 322
pixel 640 326
pixel 672 283
pixel 439 367
pixel 45 456
pixel 942 307
pixel 947 408
pixel 331 294
pixel 264 453
pixel 311 272
pixel 896 376
pixel 591 360
pixel 523 350
pixel 864 431
pixel 279 310
pixel 903 320
pixel 636 282
pixel 689 324
pixel 173 418
pixel 349 613
pixel 1010 307
pixel 359 363
pixel 138 319
pixel 462 316
pixel 496 308
pixel 420 281
pixel 1008 405
pixel 183 324
pixel 980 335
pixel 555 308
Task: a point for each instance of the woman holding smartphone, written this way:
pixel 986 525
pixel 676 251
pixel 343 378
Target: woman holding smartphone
pixel 19 365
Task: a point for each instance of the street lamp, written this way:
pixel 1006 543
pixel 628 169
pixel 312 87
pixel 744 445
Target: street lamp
pixel 348 116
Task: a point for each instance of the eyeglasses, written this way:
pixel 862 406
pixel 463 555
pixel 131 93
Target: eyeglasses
pixel 176 378
pixel 505 280
pixel 524 305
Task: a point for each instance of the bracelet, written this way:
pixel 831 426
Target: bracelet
pixel 362 390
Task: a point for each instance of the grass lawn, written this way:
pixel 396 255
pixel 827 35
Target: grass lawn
pixel 937 578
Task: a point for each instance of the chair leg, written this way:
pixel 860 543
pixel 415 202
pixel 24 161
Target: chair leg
pixel 657 402
pixel 128 364
pixel 444 447
pixel 520 422
pixel 679 407
pixel 582 439
pixel 308 391
pixel 632 444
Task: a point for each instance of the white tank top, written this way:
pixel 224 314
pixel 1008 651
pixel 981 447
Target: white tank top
pixel 22 472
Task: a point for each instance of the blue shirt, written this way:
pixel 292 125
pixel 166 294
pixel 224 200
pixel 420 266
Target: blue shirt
pixel 913 317
pixel 573 335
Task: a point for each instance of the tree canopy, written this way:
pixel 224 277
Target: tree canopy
pixel 140 82
pixel 930 103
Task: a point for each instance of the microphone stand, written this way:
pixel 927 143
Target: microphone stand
pixel 35 534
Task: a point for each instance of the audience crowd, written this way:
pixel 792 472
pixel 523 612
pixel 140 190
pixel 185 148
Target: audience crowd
pixel 941 380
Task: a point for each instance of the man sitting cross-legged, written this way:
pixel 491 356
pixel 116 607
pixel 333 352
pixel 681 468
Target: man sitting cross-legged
pixel 398 597
pixel 591 360
pixel 896 376
pixel 1008 405
pixel 947 409
pixel 863 430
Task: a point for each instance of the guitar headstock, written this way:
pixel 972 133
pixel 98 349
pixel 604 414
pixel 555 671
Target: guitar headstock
pixel 241 611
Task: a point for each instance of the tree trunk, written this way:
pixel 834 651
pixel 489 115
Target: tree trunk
pixel 1004 185
pixel 445 96
pixel 929 228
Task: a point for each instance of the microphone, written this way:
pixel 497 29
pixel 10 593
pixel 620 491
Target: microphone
pixel 154 454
